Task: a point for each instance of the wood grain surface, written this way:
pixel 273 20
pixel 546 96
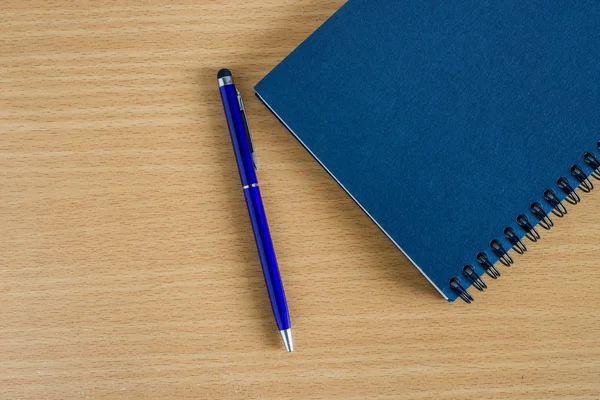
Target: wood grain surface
pixel 128 267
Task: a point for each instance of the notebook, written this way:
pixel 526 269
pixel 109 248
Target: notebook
pixel 463 128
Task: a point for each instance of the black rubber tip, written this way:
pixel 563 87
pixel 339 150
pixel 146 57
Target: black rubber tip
pixel 223 73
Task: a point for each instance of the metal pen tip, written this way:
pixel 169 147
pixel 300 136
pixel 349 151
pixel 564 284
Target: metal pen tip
pixel 287 339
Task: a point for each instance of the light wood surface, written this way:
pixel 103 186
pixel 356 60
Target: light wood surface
pixel 128 268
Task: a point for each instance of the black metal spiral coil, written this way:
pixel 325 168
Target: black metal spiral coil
pixel 483 260
pixel 462 292
pixel 565 186
pixel 585 183
pixel 502 254
pixel 476 281
pixel 559 209
pixel 517 243
pixel 592 161
pixel 530 232
pixel 545 220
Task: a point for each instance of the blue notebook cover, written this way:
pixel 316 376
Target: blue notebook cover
pixel 445 121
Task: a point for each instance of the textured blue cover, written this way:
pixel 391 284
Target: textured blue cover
pixel 446 120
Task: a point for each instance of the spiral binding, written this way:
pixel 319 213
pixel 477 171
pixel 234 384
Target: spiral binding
pixel 559 210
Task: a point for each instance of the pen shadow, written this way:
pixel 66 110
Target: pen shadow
pixel 231 199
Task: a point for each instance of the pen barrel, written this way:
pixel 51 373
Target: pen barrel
pixel 266 253
pixel 239 136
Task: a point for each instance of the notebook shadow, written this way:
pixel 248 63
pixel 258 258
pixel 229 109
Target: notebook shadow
pixel 367 242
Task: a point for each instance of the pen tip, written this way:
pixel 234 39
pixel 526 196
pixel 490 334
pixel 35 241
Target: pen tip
pixel 223 73
pixel 287 339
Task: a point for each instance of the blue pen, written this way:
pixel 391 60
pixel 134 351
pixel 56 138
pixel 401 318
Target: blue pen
pixel 246 161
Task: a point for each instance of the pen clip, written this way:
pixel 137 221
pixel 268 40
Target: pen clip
pixel 248 134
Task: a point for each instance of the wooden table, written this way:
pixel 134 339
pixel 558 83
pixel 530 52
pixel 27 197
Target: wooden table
pixel 128 267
